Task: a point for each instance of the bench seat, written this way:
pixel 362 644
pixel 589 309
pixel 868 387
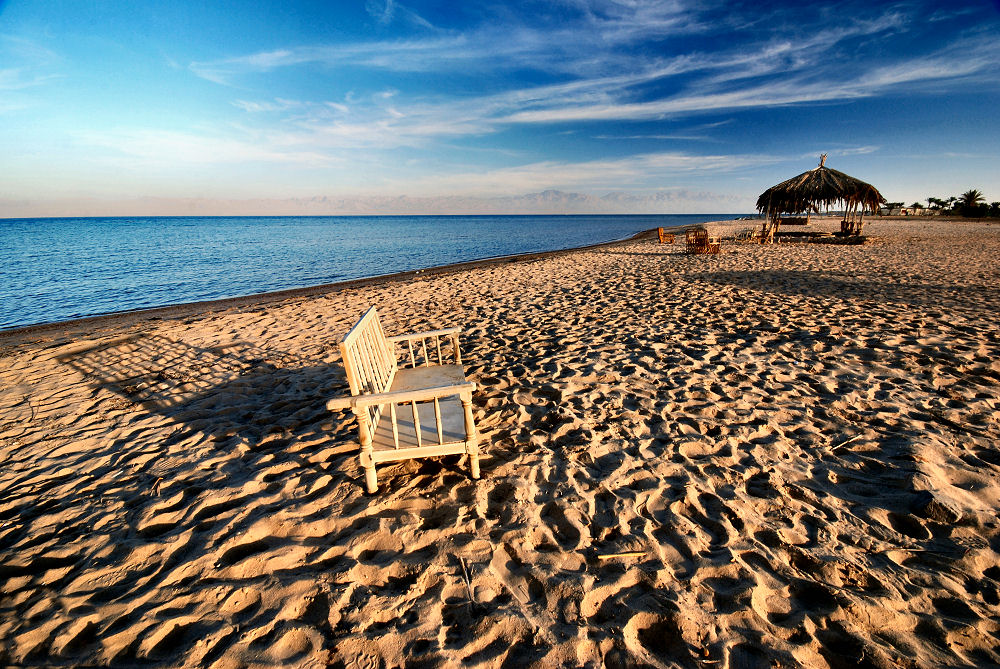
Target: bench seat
pixel 452 416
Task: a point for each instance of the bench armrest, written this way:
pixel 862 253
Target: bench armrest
pixel 412 343
pixel 338 403
pixel 425 335
pixel 403 396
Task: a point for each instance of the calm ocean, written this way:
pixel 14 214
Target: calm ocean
pixel 58 269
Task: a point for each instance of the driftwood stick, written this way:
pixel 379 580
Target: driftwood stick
pixel 845 443
pixel 626 554
pixel 468 581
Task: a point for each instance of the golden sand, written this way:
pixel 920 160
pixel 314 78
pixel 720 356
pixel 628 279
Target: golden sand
pixel 781 455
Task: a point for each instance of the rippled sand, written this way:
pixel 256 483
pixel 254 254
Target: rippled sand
pixel 796 446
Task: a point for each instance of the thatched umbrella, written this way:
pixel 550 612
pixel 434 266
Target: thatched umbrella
pixel 819 186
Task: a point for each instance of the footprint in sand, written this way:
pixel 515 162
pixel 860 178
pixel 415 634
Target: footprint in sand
pixel 521 583
pixel 165 638
pixel 241 552
pixel 241 604
pixel 567 525
pixel 657 635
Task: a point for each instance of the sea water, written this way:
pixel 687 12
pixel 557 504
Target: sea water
pixel 55 269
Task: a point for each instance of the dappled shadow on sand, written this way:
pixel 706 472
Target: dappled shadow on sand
pixel 237 386
pixel 235 405
pixel 236 395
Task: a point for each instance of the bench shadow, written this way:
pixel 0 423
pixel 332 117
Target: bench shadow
pixel 235 389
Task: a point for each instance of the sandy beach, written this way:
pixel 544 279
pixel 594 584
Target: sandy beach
pixel 789 452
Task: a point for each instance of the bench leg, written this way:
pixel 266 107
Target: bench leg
pixel 474 461
pixel 470 437
pixel 367 462
pixel 371 480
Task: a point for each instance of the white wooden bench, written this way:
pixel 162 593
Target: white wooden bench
pixel 438 419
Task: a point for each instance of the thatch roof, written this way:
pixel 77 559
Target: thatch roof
pixel 820 186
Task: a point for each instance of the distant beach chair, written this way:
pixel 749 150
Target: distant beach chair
pixel 665 237
pixel 748 235
pixel 699 242
pixel 438 419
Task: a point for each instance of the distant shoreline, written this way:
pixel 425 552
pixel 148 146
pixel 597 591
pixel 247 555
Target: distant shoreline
pixel 18 335
pixel 236 216
pixel 123 265
pixel 21 334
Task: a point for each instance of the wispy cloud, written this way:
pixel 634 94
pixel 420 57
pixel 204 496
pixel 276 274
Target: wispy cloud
pixel 856 151
pixel 27 51
pixel 276 105
pixel 28 66
pixel 801 88
pixel 545 202
pixel 491 99
pixel 602 84
pixel 600 42
pixel 585 46
pixel 16 79
pixel 644 171
pixel 387 11
pixel 403 55
pixel 157 147
pixel 814 153
pixel 403 124
pixel 674 136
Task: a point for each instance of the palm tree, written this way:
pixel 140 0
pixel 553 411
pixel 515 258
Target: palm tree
pixel 972 198
pixel 972 204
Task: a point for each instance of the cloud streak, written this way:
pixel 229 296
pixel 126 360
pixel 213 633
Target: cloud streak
pixel 644 172
pixel 385 123
pixel 17 79
pixel 777 71
pixel 155 147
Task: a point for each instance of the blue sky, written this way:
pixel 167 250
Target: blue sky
pixel 439 107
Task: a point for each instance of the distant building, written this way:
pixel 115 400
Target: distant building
pixel 907 211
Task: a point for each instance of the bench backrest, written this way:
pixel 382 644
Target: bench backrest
pixel 369 360
pixel 697 240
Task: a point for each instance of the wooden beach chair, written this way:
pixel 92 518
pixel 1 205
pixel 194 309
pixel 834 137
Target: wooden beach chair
pixel 699 242
pixel 665 237
pixel 748 235
pixel 407 412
